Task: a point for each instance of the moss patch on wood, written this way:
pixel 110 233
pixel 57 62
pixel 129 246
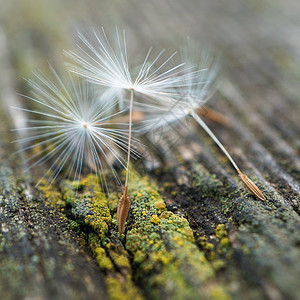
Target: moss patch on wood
pixel 90 209
pixel 166 260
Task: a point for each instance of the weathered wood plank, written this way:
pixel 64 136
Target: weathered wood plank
pixel 213 240
pixel 40 256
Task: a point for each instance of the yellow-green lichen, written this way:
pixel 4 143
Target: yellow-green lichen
pixel 74 225
pixel 221 231
pixel 89 204
pixel 216 249
pixel 163 247
pixel 90 207
pixel 218 264
pixel 118 291
pixel 113 199
pixel 160 205
pixel 222 236
pixel 218 293
pixel 100 217
pixel 154 219
pixel 225 242
pixel 52 196
pixel 119 284
pixel 102 260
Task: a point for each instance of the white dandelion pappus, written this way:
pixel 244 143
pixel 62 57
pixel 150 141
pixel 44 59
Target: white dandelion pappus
pixel 71 125
pixel 107 64
pixel 169 110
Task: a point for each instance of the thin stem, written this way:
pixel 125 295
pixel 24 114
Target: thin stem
pixel 124 202
pixel 129 140
pixel 215 139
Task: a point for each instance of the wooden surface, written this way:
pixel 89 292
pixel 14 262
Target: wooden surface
pixel 194 231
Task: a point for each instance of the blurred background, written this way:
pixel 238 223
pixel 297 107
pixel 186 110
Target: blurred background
pixel 258 40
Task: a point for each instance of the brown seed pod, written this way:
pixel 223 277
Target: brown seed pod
pixel 122 211
pixel 251 186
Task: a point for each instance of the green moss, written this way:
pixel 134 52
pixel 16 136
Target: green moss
pixel 162 245
pixel 74 226
pixel 119 255
pixel 218 293
pixel 103 261
pixel 209 184
pixel 113 199
pixel 221 231
pixel 119 285
pixel 117 291
pixel 89 204
pixel 218 264
pixel 69 195
pixel 51 195
pixel 225 242
pixel 92 209
pixel 160 205
pixel 154 219
pixel 222 236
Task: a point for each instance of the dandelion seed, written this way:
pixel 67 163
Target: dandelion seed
pixel 169 110
pixel 107 64
pixel 71 126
